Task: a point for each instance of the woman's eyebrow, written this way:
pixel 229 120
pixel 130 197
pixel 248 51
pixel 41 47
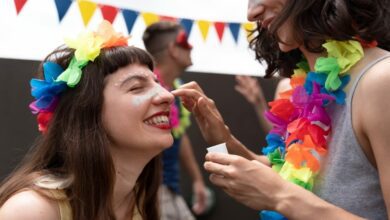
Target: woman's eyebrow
pixel 137 76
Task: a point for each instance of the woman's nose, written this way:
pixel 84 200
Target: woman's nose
pixel 163 96
pixel 255 10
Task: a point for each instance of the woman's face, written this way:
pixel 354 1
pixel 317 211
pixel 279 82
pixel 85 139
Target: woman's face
pixel 136 110
pixel 264 12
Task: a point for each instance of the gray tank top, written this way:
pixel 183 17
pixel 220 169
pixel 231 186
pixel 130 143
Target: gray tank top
pixel 347 179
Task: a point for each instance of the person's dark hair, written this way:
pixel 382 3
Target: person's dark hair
pixel 314 22
pixel 157 36
pixel 76 143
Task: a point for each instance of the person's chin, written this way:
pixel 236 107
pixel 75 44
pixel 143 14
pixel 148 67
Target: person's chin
pixel 286 48
pixel 167 142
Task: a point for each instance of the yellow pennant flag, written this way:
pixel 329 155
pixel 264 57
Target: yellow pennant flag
pixel 87 9
pixel 204 27
pixel 248 27
pixel 150 18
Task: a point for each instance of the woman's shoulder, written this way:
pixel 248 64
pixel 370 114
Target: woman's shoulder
pixel 378 69
pixel 29 204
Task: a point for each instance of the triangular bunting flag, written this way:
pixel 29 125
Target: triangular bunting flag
pixel 167 18
pixel 220 28
pixel 248 27
pixel 235 29
pixel 87 8
pixel 187 24
pixel 19 5
pixel 130 16
pixel 62 8
pixel 109 13
pixel 204 28
pixel 149 18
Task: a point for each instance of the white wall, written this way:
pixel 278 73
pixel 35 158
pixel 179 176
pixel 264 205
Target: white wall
pixel 36 31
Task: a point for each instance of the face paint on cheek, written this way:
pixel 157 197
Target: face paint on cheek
pixel 147 96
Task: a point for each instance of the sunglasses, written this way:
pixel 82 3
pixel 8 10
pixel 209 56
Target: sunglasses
pixel 182 40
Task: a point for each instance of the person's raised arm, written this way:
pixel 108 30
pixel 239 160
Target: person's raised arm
pixel 250 89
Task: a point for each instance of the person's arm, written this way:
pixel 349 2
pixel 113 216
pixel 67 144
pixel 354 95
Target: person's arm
pixel 259 187
pixel 210 121
pixel 29 205
pixel 187 158
pixel 250 88
pixel 371 108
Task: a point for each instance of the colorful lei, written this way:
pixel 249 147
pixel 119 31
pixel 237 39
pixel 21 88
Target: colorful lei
pixel 87 47
pixel 179 117
pixel 301 124
pixel 183 116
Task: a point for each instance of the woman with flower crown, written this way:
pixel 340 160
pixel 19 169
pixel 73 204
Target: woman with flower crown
pixel 104 119
pixel 327 153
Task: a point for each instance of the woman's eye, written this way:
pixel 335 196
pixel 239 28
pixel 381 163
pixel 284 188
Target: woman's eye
pixel 135 88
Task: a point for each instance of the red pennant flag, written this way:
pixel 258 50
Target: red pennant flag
pixel 19 5
pixel 220 28
pixel 167 18
pixel 109 12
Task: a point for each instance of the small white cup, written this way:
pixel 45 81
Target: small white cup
pixel 219 148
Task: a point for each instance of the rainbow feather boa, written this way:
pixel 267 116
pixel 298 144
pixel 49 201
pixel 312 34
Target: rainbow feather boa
pixel 301 124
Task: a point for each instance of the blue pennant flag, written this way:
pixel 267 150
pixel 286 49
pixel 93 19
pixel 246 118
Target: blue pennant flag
pixel 235 29
pixel 187 24
pixel 62 7
pixel 130 16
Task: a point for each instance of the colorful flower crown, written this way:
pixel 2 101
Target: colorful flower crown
pixel 87 47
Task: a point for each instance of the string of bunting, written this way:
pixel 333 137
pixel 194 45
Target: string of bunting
pixel 87 9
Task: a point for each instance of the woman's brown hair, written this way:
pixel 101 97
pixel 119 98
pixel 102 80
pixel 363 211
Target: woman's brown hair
pixel 314 22
pixel 76 144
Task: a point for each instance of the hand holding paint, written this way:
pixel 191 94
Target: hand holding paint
pixel 219 148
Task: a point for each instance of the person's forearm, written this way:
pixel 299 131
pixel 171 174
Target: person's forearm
pixel 260 105
pixel 187 158
pixel 236 147
pixel 300 204
pixel 264 123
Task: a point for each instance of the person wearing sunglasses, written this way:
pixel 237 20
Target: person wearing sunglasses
pixel 168 43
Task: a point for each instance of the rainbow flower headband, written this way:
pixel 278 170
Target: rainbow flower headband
pixel 301 124
pixel 87 47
